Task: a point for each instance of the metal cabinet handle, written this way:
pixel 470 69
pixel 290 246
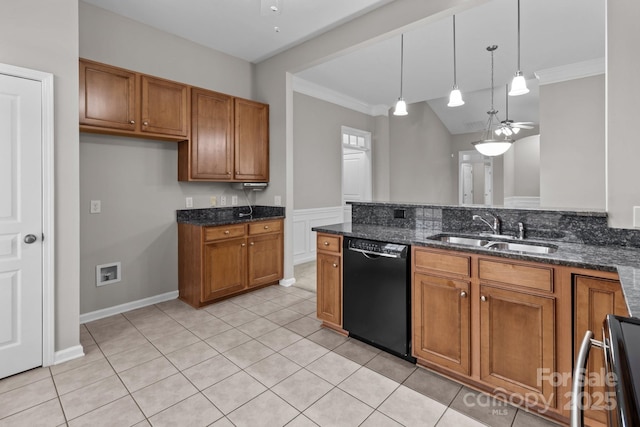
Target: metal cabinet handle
pixel 579 373
pixel 243 245
pixel 30 238
pixel 483 298
pixel 226 231
pixel 251 243
pixel 146 123
pixel 334 265
pixel 326 243
pixel 266 227
pixel 463 294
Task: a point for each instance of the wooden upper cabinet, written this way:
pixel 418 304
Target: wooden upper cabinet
pixel 107 96
pixel 164 107
pixel 211 145
pixel 251 132
pixel 121 102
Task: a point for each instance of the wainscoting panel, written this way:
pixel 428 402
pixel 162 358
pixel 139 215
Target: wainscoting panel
pixel 304 240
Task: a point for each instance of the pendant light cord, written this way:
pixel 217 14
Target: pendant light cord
pixel 518 35
pixel 401 61
pixel 493 48
pixel 455 82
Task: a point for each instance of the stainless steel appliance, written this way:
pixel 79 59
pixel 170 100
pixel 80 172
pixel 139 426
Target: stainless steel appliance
pixel 377 294
pixel 621 346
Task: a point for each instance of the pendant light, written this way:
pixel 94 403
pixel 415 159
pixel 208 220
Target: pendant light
pixel 401 105
pixel 455 97
pixel 518 84
pixel 507 127
pixel 488 145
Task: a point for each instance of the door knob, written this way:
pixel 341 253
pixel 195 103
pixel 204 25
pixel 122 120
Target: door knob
pixel 30 238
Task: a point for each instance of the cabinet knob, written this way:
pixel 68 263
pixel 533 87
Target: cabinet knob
pixel 243 245
pixel 251 244
pixel 483 298
pixel 133 122
pixel 145 123
pixel 326 243
pixel 228 173
pixel 463 294
pixel 266 227
pixel 226 231
pixel 334 265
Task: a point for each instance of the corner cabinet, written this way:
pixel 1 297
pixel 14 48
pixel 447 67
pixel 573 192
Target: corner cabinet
pixel 329 280
pixel 221 261
pixel 121 102
pixel 229 141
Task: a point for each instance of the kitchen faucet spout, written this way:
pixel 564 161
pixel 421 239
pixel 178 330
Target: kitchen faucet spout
pixel 495 227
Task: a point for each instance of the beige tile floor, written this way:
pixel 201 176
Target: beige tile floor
pixel 260 359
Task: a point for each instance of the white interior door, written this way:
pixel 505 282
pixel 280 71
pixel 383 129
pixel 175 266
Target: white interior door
pixel 466 170
pixel 354 176
pixel 21 225
pixel 488 184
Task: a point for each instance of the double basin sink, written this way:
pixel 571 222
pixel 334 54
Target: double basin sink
pixel 497 244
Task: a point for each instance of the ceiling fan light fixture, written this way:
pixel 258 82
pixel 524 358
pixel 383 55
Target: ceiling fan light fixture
pixel 401 108
pixel 455 98
pixel 518 85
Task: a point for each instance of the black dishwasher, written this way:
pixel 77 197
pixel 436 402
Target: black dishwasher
pixel 377 294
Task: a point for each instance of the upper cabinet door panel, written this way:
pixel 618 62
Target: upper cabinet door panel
pixel 164 107
pixel 211 135
pixel 251 141
pixel 107 96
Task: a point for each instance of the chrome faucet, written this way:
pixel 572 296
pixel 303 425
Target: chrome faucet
pixel 496 223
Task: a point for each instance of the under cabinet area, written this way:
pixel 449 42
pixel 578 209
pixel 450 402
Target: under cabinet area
pixel 122 102
pixel 329 280
pixel 216 262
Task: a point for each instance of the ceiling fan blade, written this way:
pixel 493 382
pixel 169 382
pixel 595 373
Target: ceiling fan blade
pixel 521 126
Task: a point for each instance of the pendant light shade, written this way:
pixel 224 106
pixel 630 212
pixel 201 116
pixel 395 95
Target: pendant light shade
pixel 455 97
pixel 518 84
pixel 488 145
pixel 401 105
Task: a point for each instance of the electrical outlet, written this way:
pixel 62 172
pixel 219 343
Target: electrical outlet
pixel 188 202
pixel 277 200
pixel 213 201
pixel 234 200
pixel 223 200
pixel 96 207
pixel 636 216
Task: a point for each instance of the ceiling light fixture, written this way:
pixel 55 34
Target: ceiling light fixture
pixel 270 7
pixel 401 105
pixel 507 127
pixel 488 145
pixel 455 97
pixel 518 84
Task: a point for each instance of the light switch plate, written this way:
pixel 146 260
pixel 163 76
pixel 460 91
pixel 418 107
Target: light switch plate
pixel 188 202
pixel 96 207
pixel 277 200
pixel 223 200
pixel 636 216
pixel 213 201
pixel 234 200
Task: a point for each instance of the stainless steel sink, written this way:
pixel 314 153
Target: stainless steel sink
pixel 467 241
pixel 498 245
pixel 521 247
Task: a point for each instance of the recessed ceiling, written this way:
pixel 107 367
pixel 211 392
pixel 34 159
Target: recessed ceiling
pixel 242 28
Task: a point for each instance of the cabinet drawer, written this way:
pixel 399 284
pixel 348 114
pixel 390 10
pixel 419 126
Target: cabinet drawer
pixel 264 227
pixel 526 276
pixel 223 232
pixel 446 263
pixel 329 243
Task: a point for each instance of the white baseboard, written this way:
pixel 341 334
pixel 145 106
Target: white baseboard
pixel 68 354
pixel 304 240
pixel 287 282
pixel 117 309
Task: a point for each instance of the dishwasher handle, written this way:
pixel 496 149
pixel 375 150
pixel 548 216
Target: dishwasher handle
pixel 373 255
pixel 579 373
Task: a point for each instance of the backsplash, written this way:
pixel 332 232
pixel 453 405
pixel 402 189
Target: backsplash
pixel 568 226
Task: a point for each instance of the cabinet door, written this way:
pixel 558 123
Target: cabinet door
pixel 251 140
pixel 265 259
pixel 329 288
pixel 225 269
pixel 594 299
pixel 107 96
pixel 211 135
pixel 441 328
pixel 164 107
pixel 517 340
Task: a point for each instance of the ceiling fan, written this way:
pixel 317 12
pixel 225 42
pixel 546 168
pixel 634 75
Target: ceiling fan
pixel 509 127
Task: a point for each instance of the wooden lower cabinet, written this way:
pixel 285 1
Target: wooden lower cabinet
pixel 441 321
pixel 329 280
pixel 221 261
pixel 595 297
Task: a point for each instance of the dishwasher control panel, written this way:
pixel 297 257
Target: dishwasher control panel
pixel 376 247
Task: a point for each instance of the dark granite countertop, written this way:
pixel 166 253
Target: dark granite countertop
pixel 623 260
pixel 224 216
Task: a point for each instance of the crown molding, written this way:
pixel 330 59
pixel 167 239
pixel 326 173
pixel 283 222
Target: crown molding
pixel 314 90
pixel 577 70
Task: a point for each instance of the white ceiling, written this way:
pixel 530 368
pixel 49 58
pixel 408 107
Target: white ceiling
pixel 554 33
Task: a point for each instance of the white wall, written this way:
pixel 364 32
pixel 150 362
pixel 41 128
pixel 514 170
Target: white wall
pixel 43 35
pixel 572 144
pixel 523 172
pixel 623 110
pixel 136 179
